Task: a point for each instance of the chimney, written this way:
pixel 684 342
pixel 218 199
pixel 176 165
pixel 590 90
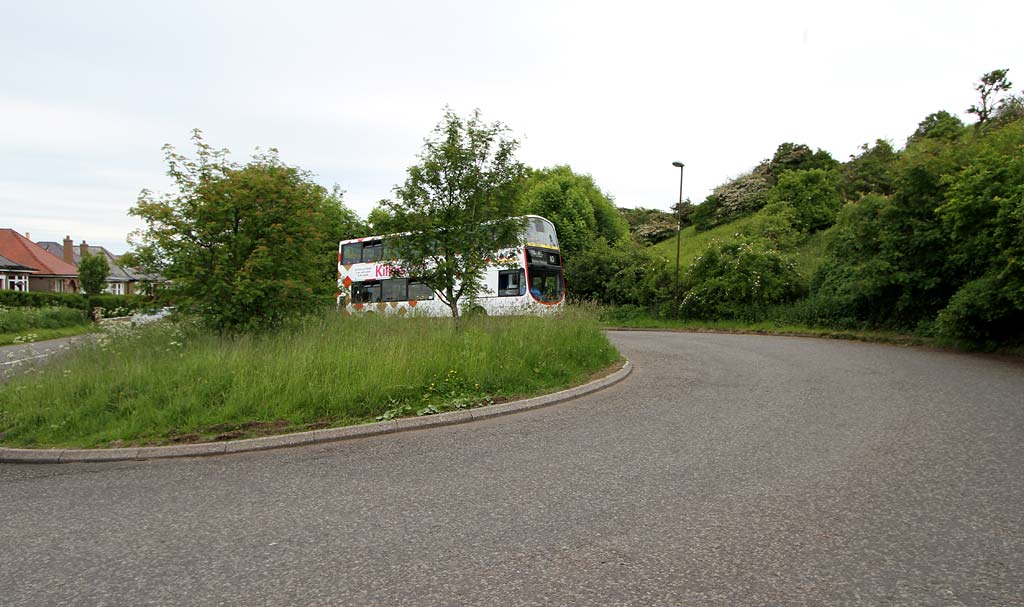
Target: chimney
pixel 69 255
pixel 83 250
pixel 28 236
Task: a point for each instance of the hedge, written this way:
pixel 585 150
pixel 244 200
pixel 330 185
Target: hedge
pixel 41 299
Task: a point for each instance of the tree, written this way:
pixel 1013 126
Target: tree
pixel 457 207
pixel 245 246
pixel 990 87
pixel 92 273
pixel 581 212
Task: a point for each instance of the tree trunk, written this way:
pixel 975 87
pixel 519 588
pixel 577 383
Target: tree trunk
pixel 454 305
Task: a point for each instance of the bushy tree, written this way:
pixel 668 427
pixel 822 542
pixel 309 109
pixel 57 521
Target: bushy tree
pixel 938 125
pixel 92 273
pixel 650 226
pixel 581 212
pixel 619 273
pixel 873 171
pixel 983 214
pixel 459 207
pixel 245 246
pixel 813 193
pixel 795 157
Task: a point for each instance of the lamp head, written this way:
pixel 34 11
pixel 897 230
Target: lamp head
pixel 677 164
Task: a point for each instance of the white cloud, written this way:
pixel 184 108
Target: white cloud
pixel 349 90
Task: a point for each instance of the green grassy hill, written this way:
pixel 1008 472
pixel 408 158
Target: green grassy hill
pixel 809 255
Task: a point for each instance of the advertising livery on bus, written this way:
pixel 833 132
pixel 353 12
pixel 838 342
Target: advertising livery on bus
pixel 528 281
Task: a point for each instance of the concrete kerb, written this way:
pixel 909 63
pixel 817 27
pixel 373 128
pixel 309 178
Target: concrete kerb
pixel 60 456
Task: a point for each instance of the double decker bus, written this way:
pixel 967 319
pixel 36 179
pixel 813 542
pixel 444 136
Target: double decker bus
pixel 528 279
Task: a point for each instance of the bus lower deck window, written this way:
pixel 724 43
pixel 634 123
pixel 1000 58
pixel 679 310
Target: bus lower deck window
pixel 365 292
pixel 395 289
pixel 420 292
pixel 510 283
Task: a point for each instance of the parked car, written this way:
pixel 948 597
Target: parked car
pixel 142 318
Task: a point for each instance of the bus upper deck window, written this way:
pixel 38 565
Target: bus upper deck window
pixel 372 252
pixel 352 253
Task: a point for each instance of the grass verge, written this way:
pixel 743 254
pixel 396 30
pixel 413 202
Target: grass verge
pixel 170 383
pixel 33 335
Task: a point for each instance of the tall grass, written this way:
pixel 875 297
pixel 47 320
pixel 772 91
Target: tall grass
pixel 164 382
pixel 808 255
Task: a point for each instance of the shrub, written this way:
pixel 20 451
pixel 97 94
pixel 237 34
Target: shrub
pixel 981 312
pixel 729 279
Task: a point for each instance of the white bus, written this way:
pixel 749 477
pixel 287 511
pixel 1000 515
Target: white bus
pixel 528 281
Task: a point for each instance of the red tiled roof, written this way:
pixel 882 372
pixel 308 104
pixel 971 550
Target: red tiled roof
pixel 17 248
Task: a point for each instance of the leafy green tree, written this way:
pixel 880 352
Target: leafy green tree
pixel 938 125
pixel 92 273
pixel 581 212
pixel 245 246
pixel 458 207
pixel 990 88
pixel 813 193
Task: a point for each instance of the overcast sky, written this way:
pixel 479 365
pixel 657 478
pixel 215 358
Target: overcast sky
pixel 90 91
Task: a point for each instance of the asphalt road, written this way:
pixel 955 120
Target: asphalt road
pixel 727 470
pixel 19 358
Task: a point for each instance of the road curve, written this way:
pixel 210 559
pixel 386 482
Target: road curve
pixel 727 470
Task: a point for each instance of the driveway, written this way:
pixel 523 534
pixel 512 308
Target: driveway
pixel 726 470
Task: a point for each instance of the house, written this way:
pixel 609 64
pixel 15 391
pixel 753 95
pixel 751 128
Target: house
pixel 13 275
pixel 120 281
pixel 47 271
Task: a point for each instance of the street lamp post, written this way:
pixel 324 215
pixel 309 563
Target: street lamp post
pixel 679 230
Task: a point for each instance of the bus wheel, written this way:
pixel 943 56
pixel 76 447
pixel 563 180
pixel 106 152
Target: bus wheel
pixel 473 311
